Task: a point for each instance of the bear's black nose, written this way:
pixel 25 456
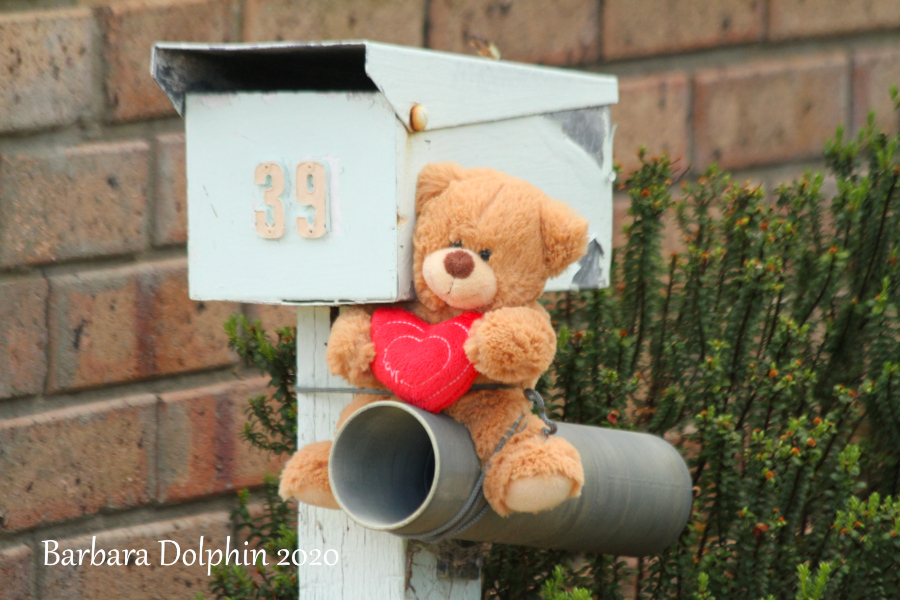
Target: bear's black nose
pixel 459 264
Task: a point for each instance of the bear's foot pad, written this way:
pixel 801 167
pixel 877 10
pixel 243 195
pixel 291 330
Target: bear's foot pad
pixel 538 493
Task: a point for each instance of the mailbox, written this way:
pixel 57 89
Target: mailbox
pixel 302 159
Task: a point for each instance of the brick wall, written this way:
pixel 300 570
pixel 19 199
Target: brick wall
pixel 120 405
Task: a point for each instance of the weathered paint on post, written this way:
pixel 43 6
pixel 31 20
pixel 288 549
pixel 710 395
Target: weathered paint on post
pixel 372 564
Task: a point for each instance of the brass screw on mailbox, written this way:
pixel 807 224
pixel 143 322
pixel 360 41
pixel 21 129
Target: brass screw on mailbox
pixel 418 118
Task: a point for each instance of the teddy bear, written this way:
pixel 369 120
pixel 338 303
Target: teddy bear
pixel 484 245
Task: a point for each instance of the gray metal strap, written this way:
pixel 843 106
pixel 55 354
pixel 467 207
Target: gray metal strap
pixel 467 515
pixel 474 508
pixel 536 399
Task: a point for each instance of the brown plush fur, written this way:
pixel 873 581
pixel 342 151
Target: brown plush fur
pixel 530 239
pixel 350 350
pixel 305 476
pixel 489 415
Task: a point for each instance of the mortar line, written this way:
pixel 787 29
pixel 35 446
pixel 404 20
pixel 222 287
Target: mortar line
pixel 152 198
pixel 237 11
pixel 38 568
pixel 108 520
pixel 601 21
pixel 426 23
pixel 37 405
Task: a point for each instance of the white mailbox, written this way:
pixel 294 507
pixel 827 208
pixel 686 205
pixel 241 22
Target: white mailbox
pixel 302 159
pixel 302 162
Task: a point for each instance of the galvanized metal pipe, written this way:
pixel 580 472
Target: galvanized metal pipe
pixel 400 469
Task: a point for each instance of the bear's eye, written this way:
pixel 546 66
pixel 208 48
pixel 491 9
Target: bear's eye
pixel 485 255
pixel 456 244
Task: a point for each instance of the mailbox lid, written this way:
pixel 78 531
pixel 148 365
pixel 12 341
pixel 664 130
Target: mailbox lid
pixel 353 136
pixel 455 89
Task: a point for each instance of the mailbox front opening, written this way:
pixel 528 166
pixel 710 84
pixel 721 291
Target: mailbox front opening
pixel 327 68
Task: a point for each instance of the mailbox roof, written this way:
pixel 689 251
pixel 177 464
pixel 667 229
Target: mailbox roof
pixel 455 89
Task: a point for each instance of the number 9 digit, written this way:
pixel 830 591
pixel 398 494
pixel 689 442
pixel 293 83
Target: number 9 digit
pixel 311 191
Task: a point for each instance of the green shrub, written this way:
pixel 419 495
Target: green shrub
pixel 766 350
pixel 554 588
pixel 271 427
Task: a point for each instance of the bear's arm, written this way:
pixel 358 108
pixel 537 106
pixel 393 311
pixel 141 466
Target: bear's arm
pixel 350 350
pixel 512 345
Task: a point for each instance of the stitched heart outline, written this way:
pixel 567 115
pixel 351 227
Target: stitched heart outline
pixel 424 365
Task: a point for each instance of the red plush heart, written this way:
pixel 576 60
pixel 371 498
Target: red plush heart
pixel 424 365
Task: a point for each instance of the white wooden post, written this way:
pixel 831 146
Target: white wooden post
pixel 371 564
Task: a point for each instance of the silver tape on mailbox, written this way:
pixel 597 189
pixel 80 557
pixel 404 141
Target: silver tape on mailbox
pixel 400 469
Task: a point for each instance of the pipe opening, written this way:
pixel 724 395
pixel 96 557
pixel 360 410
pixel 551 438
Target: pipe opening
pixel 383 468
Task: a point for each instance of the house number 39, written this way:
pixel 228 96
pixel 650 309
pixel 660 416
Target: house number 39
pixel 310 191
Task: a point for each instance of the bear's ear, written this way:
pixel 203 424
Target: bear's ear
pixel 434 178
pixel 564 234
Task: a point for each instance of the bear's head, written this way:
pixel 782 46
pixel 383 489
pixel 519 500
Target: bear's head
pixel 485 240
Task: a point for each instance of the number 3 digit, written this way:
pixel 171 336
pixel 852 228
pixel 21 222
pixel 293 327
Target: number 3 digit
pixel 271 198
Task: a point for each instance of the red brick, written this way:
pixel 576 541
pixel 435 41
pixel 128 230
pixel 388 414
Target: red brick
pixel 16 565
pixel 129 323
pixel 170 211
pixel 23 336
pixel 557 32
pixel 202 451
pixel 154 582
pixel 653 111
pixel 803 18
pixel 94 324
pixel 398 22
pixel 874 72
pixel 46 61
pixel 76 461
pixel 130 29
pixel 74 202
pixel 187 335
pixel 272 316
pixel 768 112
pixel 663 26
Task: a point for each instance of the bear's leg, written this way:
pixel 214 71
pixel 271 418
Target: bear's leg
pixel 305 476
pixel 531 473
pixel 536 474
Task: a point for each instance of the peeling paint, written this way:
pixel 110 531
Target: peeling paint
pixel 590 272
pixel 587 127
